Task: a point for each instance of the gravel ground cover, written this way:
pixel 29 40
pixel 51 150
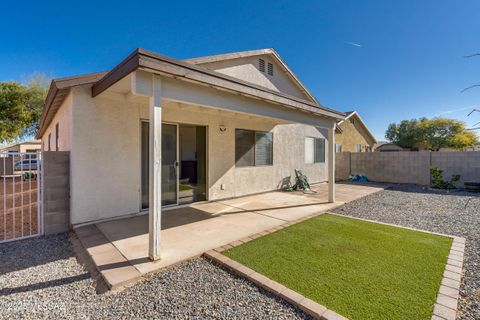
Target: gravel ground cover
pixel 455 213
pixel 41 278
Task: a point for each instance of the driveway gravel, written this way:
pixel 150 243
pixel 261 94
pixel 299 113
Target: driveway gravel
pixel 456 213
pixel 41 278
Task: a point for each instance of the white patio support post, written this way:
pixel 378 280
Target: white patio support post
pixel 155 172
pixel 331 164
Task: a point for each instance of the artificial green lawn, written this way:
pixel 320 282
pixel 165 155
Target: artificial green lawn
pixel 361 270
pixel 183 187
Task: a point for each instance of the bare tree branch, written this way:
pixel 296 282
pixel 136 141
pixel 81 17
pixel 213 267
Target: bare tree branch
pixel 473 110
pixel 468 88
pixel 472 55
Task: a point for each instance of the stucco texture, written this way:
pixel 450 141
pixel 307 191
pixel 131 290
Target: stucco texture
pixel 64 119
pixel 353 133
pixel 105 160
pixel 247 69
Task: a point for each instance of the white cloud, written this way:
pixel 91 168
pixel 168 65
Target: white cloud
pixel 353 44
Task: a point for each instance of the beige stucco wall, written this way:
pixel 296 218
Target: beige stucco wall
pixel 64 119
pixel 247 69
pixel 105 155
pixel 352 134
pixel 29 147
pixel 105 158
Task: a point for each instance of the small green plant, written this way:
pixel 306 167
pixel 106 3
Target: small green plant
pixel 437 179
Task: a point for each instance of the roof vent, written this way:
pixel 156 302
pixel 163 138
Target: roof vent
pixel 270 69
pixel 261 65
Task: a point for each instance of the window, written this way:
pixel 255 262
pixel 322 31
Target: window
pixel 56 137
pixel 309 147
pixel 253 148
pixel 49 142
pixel 314 150
pixel 263 148
pixel 261 65
pixel 270 69
pixel 338 148
pixel 319 150
pixel 358 147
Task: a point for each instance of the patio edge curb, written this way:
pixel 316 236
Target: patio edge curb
pixel 310 307
pixel 446 304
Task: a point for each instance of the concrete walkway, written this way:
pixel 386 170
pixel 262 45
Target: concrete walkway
pixel 119 248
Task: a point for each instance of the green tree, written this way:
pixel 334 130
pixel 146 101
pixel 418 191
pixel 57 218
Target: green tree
pixel 403 134
pixel 438 133
pixel 432 134
pixel 21 107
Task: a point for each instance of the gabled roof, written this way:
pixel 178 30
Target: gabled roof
pixel 350 114
pixel 163 65
pixel 59 89
pixel 251 53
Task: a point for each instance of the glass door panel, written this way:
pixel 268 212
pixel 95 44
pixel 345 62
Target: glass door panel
pixel 169 164
pixel 145 132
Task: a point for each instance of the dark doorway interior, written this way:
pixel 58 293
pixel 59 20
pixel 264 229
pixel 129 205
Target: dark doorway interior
pixel 184 179
pixel 192 156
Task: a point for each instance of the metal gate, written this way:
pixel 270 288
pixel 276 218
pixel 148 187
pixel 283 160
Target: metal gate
pixel 21 207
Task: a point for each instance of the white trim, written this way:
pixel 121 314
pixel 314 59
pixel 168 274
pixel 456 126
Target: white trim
pixel 155 172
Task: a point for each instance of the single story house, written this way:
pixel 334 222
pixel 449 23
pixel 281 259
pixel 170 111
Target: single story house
pixel 155 132
pixel 384 146
pixel 353 135
pixel 22 147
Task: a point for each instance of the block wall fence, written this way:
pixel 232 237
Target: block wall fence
pixel 56 191
pixel 408 167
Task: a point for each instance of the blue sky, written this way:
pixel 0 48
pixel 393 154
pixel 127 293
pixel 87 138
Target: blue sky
pixel 409 63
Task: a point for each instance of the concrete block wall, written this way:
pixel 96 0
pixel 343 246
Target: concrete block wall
pixel 56 191
pixel 466 164
pixel 408 167
pixel 342 165
pixel 6 165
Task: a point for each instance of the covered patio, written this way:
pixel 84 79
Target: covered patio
pixel 119 248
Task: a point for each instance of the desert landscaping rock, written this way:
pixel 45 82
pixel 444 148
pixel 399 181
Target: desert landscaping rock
pixel 40 278
pixel 456 213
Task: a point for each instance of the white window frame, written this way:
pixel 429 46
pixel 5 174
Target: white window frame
pixel 310 151
pixel 254 149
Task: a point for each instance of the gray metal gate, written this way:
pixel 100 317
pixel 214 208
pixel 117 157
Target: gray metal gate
pixel 21 207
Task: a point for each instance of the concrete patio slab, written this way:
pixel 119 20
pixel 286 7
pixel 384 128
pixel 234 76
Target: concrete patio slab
pixel 190 231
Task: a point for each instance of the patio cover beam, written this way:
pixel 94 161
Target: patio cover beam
pixel 155 172
pixel 331 164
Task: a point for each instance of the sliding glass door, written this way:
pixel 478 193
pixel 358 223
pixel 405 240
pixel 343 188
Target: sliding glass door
pixel 169 164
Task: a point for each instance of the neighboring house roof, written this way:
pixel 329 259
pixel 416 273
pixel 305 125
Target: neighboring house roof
pixel 8 146
pixel 252 53
pixel 350 114
pixel 383 144
pixel 163 65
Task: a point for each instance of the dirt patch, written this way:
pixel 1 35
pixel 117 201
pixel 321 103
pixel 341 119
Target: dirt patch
pixel 18 208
